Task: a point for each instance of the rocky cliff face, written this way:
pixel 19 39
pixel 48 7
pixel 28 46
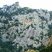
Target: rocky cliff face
pixel 25 27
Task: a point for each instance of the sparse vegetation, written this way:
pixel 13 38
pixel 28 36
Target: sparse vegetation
pixel 25 29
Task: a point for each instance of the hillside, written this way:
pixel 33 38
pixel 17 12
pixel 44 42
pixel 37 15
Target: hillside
pixel 24 28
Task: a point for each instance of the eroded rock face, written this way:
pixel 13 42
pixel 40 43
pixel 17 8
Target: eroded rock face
pixel 25 30
pixel 47 41
pixel 33 29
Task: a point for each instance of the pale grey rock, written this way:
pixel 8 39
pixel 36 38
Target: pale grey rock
pixel 26 29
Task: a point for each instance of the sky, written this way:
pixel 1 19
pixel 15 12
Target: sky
pixel 35 4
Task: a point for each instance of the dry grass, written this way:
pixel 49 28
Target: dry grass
pixel 31 50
